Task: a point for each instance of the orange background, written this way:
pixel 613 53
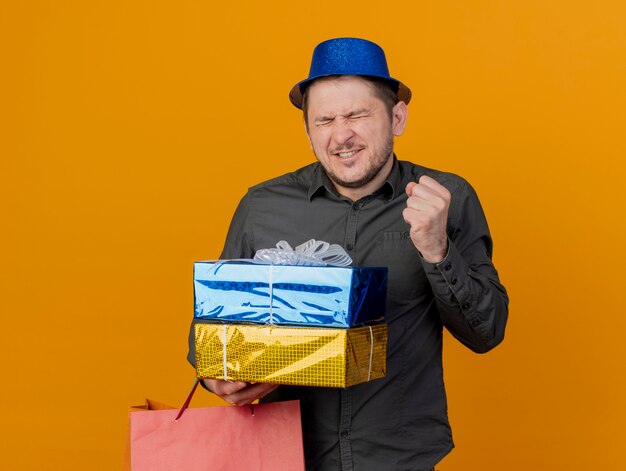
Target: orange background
pixel 129 131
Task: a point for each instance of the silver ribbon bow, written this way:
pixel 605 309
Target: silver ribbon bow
pixel 311 253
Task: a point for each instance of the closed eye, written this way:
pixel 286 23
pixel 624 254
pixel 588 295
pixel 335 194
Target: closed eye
pixel 358 114
pixel 323 122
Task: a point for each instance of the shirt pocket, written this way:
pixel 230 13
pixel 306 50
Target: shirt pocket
pixel 406 279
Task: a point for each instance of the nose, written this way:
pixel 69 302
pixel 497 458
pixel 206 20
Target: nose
pixel 342 135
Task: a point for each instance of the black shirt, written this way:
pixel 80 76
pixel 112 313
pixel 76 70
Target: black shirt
pixel 399 422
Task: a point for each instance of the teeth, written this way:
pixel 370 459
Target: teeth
pixel 347 154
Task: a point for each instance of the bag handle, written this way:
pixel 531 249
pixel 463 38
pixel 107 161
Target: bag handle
pixel 185 405
pixel 188 400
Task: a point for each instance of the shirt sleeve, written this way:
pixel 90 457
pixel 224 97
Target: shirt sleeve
pixel 238 245
pixel 239 239
pixel 472 302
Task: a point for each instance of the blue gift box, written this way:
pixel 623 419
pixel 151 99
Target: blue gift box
pixel 240 291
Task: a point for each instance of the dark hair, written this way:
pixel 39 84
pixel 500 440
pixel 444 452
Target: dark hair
pixel 383 90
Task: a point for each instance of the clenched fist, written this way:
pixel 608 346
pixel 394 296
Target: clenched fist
pixel 427 213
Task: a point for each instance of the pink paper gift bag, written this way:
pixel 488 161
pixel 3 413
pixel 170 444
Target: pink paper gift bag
pixel 263 437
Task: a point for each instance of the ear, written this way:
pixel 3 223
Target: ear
pixel 399 116
pixel 306 131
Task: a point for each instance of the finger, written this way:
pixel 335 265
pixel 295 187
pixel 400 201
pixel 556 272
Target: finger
pixel 245 395
pixel 250 393
pixel 222 388
pixel 409 188
pixel 421 204
pixel 434 185
pixel 412 217
pixel 421 191
pixel 257 393
pixel 268 390
pixel 415 219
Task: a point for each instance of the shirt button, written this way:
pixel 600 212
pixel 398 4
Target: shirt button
pixel 448 266
pixel 465 306
pixel 356 206
pixel 453 281
pixel 344 434
pixel 475 322
pixel 349 246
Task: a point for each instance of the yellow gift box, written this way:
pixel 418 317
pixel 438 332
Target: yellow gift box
pixel 303 356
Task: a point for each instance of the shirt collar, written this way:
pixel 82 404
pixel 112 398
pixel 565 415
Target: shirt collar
pixel 388 190
pixel 320 182
pixel 393 184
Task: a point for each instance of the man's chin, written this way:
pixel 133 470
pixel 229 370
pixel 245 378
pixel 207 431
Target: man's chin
pixel 352 183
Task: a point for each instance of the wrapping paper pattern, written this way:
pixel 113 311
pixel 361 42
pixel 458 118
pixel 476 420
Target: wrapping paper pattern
pixel 291 355
pixel 237 291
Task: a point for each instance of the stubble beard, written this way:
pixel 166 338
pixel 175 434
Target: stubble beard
pixel 379 160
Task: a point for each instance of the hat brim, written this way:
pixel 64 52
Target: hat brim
pixel 295 95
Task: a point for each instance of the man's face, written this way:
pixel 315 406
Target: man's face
pixel 351 133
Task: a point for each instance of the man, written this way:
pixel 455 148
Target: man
pixel 426 226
